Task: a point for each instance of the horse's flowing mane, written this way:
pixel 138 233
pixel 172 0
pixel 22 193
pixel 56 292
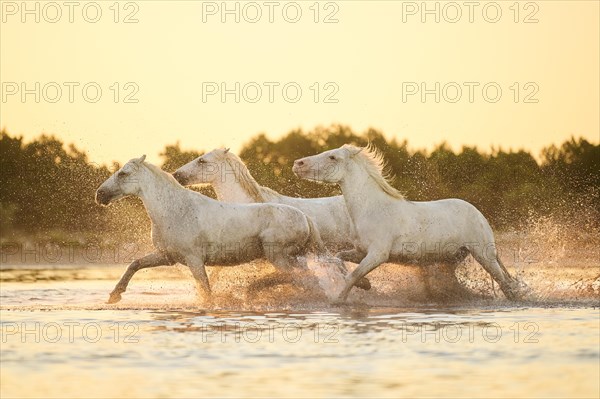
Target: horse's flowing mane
pixel 161 174
pixel 374 164
pixel 248 183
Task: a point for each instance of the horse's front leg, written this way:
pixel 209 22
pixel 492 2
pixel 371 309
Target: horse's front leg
pixel 198 270
pixel 373 259
pixel 153 259
pixel 354 256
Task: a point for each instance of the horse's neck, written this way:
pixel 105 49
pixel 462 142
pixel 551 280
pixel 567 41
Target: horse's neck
pixel 160 199
pixel 361 193
pixel 229 189
pixel 270 195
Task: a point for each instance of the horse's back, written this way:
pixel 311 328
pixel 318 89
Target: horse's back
pixel 329 214
pixel 451 217
pixel 317 208
pixel 264 214
pixel 235 220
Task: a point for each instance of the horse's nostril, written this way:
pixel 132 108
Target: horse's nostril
pixel 101 197
pixel 179 177
pixel 299 163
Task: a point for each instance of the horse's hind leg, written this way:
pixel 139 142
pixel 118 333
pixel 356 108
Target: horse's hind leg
pixel 271 280
pixel 151 260
pixel 491 264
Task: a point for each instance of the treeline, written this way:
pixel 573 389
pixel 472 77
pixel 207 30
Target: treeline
pixel 47 187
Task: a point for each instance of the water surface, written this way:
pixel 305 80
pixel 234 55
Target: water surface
pixel 59 339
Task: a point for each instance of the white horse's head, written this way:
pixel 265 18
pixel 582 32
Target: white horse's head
pixel 349 164
pixel 122 183
pixel 203 170
pixel 329 166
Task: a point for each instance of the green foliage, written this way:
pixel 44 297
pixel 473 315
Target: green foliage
pixel 174 157
pixel 45 186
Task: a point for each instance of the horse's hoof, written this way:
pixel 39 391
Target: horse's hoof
pixel 517 291
pixel 363 284
pixel 114 298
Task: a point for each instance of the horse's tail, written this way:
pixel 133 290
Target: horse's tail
pixel 314 237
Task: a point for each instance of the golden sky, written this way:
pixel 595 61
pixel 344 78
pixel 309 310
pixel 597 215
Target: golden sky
pixel 369 57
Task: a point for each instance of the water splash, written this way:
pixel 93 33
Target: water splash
pixel 559 261
pixel 328 273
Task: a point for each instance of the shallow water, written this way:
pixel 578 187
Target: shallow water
pixel 59 338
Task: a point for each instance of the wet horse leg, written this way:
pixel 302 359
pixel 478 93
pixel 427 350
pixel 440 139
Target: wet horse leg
pixel 490 262
pixel 354 256
pixel 153 259
pixel 373 259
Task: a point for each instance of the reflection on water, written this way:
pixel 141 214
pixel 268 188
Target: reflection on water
pixel 525 352
pixel 59 338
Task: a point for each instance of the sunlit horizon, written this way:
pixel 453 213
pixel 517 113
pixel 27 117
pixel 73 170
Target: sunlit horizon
pixel 360 70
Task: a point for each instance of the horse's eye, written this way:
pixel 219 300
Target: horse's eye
pixel 200 160
pixel 123 173
pixel 332 157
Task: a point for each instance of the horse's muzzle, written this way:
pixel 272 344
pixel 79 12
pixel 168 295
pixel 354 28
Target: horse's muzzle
pixel 102 197
pixel 181 179
pixel 299 168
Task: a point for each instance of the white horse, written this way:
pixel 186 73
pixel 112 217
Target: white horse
pixel 192 229
pixel 390 228
pixel 233 183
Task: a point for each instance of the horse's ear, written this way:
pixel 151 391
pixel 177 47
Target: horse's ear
pixel 227 150
pixel 142 158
